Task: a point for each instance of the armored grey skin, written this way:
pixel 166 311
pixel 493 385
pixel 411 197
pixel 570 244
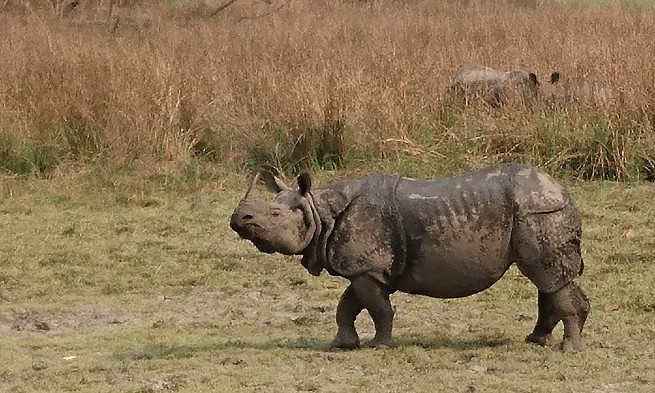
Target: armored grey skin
pixel 495 87
pixel 445 238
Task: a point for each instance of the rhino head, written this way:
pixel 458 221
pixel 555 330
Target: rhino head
pixel 288 225
pixel 496 86
pixel 529 82
pixel 548 89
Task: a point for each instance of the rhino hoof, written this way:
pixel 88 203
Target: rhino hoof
pixel 338 344
pixel 381 344
pixel 570 346
pixel 543 340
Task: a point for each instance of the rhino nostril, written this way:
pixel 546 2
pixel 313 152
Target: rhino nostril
pixel 247 217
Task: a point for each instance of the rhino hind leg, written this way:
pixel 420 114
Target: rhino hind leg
pixel 569 305
pixel 572 306
pixel 546 321
pixel 547 249
pixel 582 305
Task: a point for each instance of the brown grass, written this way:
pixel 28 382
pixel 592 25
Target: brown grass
pixel 325 84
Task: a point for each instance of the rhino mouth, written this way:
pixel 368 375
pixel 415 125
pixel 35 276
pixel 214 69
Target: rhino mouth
pixel 261 245
pixel 245 229
pixel 249 232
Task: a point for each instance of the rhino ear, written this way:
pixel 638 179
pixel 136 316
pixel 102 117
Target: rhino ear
pixel 305 183
pixel 554 77
pixel 533 79
pixel 273 184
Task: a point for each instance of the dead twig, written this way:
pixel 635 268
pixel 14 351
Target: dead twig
pixel 411 148
pixel 110 10
pixel 222 7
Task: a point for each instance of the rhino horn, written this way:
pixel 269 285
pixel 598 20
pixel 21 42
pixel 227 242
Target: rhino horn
pixel 251 193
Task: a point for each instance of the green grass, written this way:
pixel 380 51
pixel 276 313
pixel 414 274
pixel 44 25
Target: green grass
pixel 597 3
pixel 118 283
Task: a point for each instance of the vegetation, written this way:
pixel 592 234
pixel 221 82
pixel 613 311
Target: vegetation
pixel 323 85
pixel 124 137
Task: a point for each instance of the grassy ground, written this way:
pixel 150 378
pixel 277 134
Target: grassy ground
pixel 138 285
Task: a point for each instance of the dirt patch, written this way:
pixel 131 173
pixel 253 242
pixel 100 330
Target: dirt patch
pixel 163 384
pixel 228 307
pixel 31 321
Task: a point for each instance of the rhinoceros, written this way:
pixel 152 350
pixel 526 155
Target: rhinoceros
pixel 444 238
pixel 495 87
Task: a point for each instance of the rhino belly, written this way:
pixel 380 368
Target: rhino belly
pixel 456 268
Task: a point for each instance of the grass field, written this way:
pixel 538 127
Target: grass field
pixel 115 283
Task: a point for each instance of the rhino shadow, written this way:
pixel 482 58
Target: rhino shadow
pixel 452 343
pixel 172 351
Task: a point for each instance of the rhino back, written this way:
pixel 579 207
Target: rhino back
pixel 479 74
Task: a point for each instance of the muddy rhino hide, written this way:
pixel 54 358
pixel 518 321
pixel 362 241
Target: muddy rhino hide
pixel 362 231
pixel 535 192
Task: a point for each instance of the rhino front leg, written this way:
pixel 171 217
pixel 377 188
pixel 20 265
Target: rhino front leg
pixel 374 296
pixel 347 310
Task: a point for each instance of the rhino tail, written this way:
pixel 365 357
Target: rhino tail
pixel 579 251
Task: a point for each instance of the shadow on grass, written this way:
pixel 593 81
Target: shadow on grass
pixel 172 351
pixel 453 343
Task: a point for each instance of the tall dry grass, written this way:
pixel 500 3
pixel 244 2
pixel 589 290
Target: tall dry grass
pixel 326 83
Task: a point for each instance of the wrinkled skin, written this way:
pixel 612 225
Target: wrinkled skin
pixel 496 87
pixel 445 238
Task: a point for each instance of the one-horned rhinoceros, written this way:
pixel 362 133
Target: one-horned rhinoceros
pixel 496 87
pixel 445 238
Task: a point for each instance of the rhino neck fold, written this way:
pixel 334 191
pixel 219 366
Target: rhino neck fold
pixel 328 207
pixel 313 258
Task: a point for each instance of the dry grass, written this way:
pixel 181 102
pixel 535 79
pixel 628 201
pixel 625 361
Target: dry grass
pixel 324 84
